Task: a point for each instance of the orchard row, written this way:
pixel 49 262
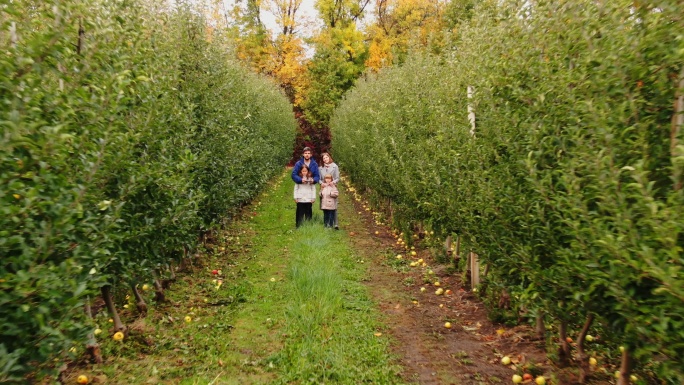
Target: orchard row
pixel 126 134
pixel 550 139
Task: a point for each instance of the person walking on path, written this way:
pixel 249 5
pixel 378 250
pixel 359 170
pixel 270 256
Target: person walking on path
pixel 304 196
pixel 310 163
pixel 329 196
pixel 330 167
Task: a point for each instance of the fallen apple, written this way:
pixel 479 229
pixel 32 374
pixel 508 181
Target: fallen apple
pixel 146 287
pixel 527 376
pixel 448 292
pixel 82 379
pixel 568 340
pixel 592 361
pixel 439 291
pixel 399 256
pixel 215 272
pixel 437 283
pixel 422 289
pixel 588 338
pixel 188 319
pixel 447 325
pixel 540 380
pixel 506 360
pixel 118 336
pixel 517 379
pixel 633 378
pixel 97 331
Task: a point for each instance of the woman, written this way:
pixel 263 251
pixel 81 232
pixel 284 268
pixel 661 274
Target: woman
pixel 329 167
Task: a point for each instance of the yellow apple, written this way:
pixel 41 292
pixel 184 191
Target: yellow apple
pixel 188 318
pixel 447 325
pixel 118 336
pixel 506 360
pixel 82 379
pixel 589 338
pixel 422 289
pixel 540 380
pixel 517 379
pixel 592 361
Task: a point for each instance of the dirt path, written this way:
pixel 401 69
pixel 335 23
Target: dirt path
pixel 469 352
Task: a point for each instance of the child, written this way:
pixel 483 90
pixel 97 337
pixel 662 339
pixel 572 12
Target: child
pixel 305 196
pixel 329 194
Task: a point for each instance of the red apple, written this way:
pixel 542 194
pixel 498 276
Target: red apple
pixel 215 272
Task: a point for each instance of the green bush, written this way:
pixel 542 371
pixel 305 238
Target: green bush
pixel 571 186
pixel 125 133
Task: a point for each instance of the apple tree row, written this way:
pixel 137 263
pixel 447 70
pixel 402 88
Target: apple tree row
pixel 570 185
pixel 126 133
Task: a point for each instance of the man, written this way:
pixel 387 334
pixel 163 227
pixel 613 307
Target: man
pixel 308 161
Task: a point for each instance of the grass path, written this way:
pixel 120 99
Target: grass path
pixel 291 308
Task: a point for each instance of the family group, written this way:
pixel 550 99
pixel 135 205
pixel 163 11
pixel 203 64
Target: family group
pixel 307 174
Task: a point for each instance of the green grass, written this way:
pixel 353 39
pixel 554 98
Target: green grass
pixel 291 310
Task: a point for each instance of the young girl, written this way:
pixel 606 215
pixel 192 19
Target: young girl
pixel 329 194
pixel 330 167
pixel 305 196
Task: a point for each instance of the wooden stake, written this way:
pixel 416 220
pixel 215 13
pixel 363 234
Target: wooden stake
pixel 474 269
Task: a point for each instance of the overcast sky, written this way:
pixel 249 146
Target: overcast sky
pixel 307 16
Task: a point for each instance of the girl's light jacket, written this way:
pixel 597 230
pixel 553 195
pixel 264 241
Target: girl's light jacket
pixel 329 196
pixel 305 193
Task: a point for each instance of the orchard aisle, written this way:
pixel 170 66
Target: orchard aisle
pixel 264 303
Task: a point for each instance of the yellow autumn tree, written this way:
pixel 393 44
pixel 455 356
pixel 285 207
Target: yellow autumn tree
pixel 401 25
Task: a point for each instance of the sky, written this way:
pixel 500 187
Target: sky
pixel 306 13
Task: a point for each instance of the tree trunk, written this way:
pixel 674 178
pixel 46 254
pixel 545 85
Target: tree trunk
pixel 564 349
pixel 158 289
pixel 468 278
pixel 540 329
pixel 677 124
pixel 139 300
pixel 625 368
pixel 107 296
pixel 582 358
pixel 88 309
pixel 92 347
pixel 172 271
